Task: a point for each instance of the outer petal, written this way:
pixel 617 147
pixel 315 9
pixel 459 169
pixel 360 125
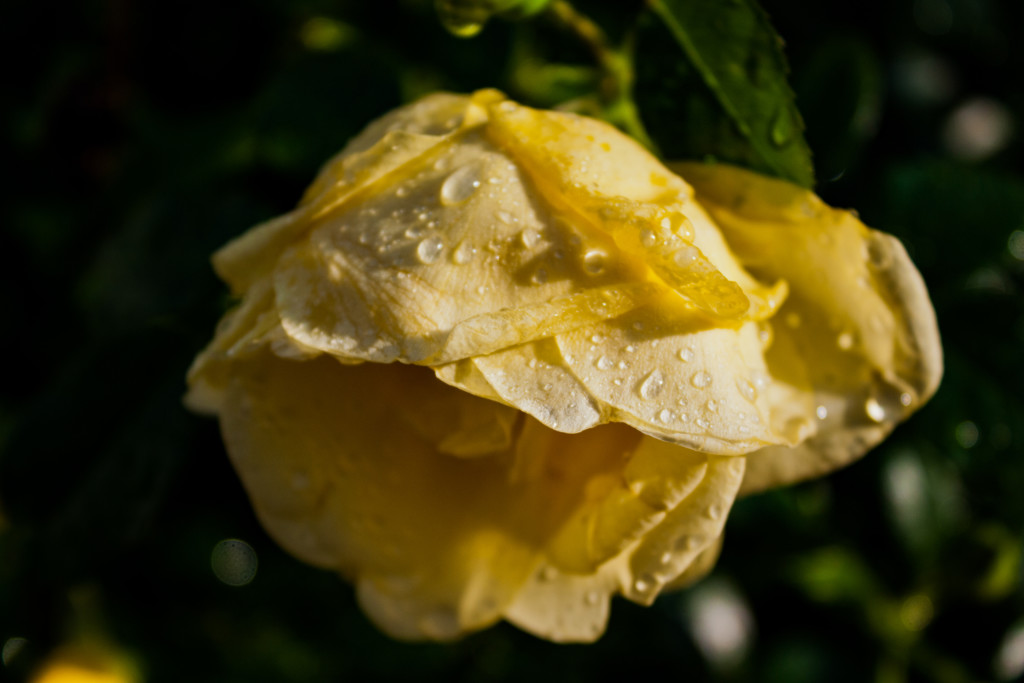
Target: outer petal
pixel 385 145
pixel 454 256
pixel 858 318
pixel 679 549
pixel 618 189
pixel 251 326
pixel 345 469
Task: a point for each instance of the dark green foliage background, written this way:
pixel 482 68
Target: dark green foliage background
pixel 139 136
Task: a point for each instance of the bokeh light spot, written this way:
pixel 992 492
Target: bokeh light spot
pixel 11 649
pixel 977 129
pixel 1009 661
pixel 721 623
pixel 1016 244
pixel 234 562
pixel 966 434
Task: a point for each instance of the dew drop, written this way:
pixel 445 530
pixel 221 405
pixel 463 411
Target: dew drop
pixel 845 341
pixel 540 276
pixel 648 238
pixel 594 261
pixel 401 191
pixel 874 409
pixel 685 355
pixel 877 253
pixel 652 385
pixel 906 399
pixel 783 128
pixel 463 253
pixel 711 405
pixel 702 423
pixel 685 257
pixel 666 416
pixel 597 338
pixel 460 185
pixel 623 365
pixel 604 363
pixel 413 231
pixel 429 249
pixel 641 586
pixel 715 512
pixel 666 557
pixel 630 349
pixel 701 379
pixel 821 412
pixel 747 389
pixel 530 238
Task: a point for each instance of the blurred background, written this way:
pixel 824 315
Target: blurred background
pixel 140 136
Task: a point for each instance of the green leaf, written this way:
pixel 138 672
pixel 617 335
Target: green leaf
pixel 738 57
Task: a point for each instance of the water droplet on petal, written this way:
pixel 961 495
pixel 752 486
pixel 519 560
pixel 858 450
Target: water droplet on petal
pixel 821 412
pixel 701 379
pixel 463 253
pixel 597 338
pixel 666 416
pixel 685 355
pixel 540 276
pixel 460 185
pixel 702 423
pixel 530 238
pixel 711 405
pixel 594 261
pixel 604 363
pixel 874 409
pixel 652 385
pixel 747 389
pixel 685 257
pixel 715 512
pixel 429 249
pixel 648 238
pixel 845 341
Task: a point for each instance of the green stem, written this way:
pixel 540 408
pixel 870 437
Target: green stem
pixel 616 64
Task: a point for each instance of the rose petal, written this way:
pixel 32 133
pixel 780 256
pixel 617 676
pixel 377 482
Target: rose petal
pixel 454 256
pixel 675 379
pixel 610 181
pixel 436 545
pixel 858 316
pixel 571 607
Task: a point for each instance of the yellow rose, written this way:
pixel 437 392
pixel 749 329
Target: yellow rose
pixel 501 363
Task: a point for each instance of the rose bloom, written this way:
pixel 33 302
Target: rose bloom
pixel 501 363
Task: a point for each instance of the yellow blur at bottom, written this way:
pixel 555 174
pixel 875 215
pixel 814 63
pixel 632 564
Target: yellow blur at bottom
pixel 76 668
